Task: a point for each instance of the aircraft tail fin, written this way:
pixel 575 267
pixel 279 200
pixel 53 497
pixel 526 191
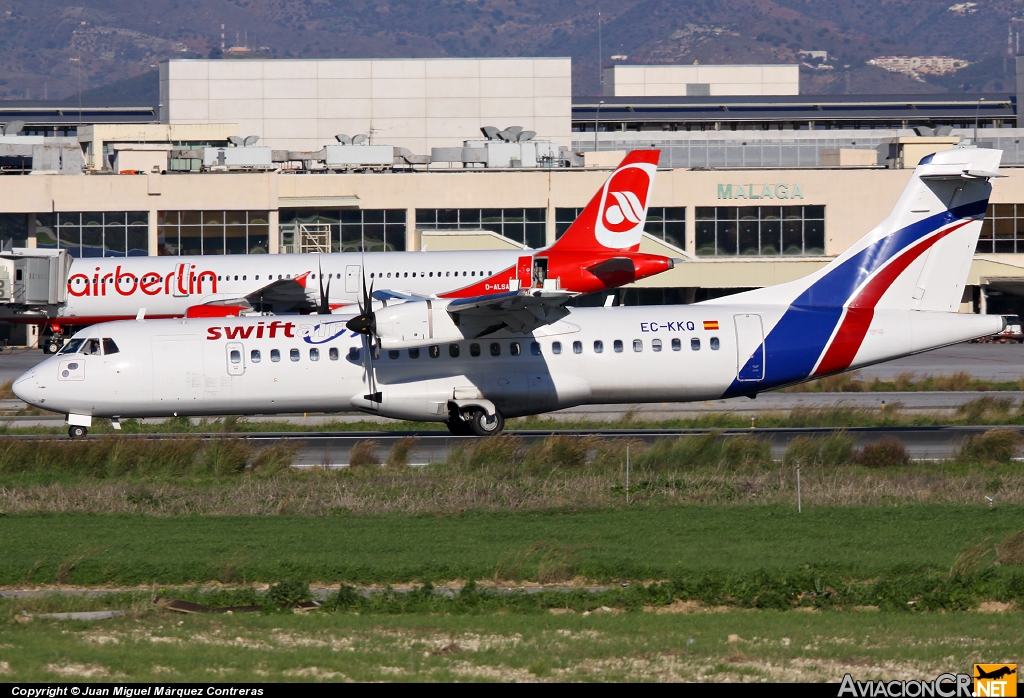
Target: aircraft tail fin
pixel 614 219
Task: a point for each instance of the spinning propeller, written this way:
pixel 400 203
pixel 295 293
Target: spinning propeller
pixel 365 324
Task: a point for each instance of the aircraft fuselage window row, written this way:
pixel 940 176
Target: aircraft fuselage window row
pixel 425 274
pixel 434 350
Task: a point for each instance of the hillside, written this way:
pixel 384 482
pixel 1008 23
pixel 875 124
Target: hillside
pixel 119 39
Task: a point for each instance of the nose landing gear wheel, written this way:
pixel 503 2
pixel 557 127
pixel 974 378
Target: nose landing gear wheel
pixel 483 424
pixel 77 432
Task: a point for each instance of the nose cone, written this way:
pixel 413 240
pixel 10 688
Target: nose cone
pixel 28 389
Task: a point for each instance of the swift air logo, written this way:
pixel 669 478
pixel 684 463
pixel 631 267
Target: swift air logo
pixel 323 333
pixel 623 211
pixel 995 680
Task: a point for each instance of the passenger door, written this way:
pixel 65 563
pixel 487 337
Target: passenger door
pixel 749 347
pixel 352 278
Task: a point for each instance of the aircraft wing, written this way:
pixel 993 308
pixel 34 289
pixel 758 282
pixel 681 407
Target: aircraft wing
pixel 283 296
pixel 517 311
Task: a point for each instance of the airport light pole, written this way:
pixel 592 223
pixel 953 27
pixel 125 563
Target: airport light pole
pixel 596 115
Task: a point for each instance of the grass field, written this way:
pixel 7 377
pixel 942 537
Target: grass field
pixel 610 544
pixel 641 646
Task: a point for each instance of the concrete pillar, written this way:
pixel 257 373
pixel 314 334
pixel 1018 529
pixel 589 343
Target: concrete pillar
pixel 691 230
pixel 412 235
pixel 274 230
pixel 550 233
pixel 154 233
pixel 1020 91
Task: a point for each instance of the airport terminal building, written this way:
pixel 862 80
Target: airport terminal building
pixel 754 188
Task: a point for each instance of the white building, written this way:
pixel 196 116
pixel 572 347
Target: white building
pixel 417 104
pixel 700 80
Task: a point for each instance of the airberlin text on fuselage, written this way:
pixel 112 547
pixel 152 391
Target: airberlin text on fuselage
pixel 186 283
pixel 256 331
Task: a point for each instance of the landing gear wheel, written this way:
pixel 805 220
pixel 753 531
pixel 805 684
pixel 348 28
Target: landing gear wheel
pixel 77 432
pixel 484 425
pixel 459 427
pixel 52 346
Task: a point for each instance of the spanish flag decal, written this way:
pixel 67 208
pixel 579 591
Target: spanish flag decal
pixel 711 324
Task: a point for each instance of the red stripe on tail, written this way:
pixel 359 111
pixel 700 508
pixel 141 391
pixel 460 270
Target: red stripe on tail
pixel 861 310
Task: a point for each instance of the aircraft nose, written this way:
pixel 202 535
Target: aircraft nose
pixel 28 389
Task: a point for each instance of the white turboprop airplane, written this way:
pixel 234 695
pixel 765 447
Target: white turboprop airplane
pixel 893 293
pixel 600 251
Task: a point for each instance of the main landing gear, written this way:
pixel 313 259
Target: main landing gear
pixel 474 421
pixel 77 432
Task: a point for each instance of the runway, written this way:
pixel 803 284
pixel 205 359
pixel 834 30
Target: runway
pixel 333 449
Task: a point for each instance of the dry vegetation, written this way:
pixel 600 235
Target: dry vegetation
pixel 195 476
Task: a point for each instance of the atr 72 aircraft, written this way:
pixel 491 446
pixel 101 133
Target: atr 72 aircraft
pixel 599 251
pixel 893 293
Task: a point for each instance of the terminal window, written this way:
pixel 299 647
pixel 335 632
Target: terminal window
pixel 351 230
pixel 1003 229
pixel 524 225
pixel 212 232
pixel 666 223
pixel 94 234
pixel 760 230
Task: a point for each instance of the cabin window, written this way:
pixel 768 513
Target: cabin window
pixel 472 273
pixel 254 356
pixel 236 356
pixel 638 345
pixel 656 345
pixel 714 343
pixel 314 354
pixel 353 354
pixel 598 346
pixel 453 350
pixel 577 347
pixel 244 277
pixel 109 347
pixel 275 355
pixel 474 350
pixel 389 275
pixel 393 354
pixel 514 349
pixel 407 275
pixel 676 344
pixel 257 277
pixel 695 344
pixel 535 348
pixel 431 274
pixel 414 353
pixel 556 347
pixel 333 353
pixel 434 350
pixel 617 346
pixel 495 349
pixel 294 355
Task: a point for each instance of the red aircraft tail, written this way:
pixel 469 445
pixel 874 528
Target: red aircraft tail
pixel 614 219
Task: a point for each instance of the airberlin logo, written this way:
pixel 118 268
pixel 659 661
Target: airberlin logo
pixel 183 281
pixel 624 206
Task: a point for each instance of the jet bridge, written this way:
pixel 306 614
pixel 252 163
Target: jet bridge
pixel 33 285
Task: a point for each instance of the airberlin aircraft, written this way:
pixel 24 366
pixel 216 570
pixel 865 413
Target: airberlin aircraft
pixel 599 251
pixel 895 292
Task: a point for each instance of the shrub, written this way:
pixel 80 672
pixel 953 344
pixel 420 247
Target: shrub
pixel 287 594
pixel 501 452
pixel 955 382
pixel 704 450
pixel 364 453
pixel 557 453
pixel 887 453
pixel 828 451
pixel 1010 551
pixel 399 455
pixel 994 446
pixel 977 410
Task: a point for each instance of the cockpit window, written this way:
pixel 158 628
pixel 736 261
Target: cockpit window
pixel 91 346
pixel 72 346
pixel 109 347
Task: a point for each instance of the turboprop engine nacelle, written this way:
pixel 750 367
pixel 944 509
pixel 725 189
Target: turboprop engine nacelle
pixel 415 323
